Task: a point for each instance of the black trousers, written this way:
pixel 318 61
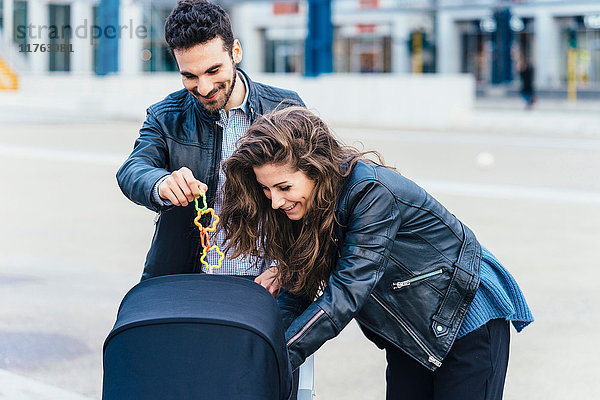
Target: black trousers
pixel 475 369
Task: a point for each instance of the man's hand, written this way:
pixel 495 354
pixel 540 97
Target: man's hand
pixel 268 281
pixel 181 187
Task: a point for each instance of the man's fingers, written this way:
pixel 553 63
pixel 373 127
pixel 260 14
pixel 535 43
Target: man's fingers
pixel 181 182
pixel 195 185
pixel 181 199
pixel 171 190
pixel 181 187
pixel 203 187
pixel 165 192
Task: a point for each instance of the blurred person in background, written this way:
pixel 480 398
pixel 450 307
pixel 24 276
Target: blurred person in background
pixel 185 137
pixel 527 90
pixel 355 239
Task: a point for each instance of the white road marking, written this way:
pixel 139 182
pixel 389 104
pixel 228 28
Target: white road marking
pixel 477 139
pixel 510 192
pixel 459 188
pixel 49 154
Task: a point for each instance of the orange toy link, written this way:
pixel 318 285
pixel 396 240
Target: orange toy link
pixel 204 239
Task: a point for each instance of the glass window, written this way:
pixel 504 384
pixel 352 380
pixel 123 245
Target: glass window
pixel 60 34
pixel 585 42
pixel 477 45
pixel 284 56
pixel 156 54
pixel 476 51
pixel 368 54
pixel 20 23
pixel 357 52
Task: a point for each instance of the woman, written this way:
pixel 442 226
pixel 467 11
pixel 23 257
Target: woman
pixel 355 239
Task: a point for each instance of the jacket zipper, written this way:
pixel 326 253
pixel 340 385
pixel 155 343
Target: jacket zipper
pixel 432 359
pixel 305 327
pixel 401 284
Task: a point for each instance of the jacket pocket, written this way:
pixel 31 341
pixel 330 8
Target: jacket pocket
pixel 455 299
pixel 411 332
pixel 397 285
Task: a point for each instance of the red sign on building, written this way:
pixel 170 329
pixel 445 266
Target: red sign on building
pixel 368 3
pixel 285 7
pixel 366 28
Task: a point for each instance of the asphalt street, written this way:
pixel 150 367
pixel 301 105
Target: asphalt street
pixel 71 245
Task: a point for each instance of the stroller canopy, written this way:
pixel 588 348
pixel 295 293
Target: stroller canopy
pixel 197 336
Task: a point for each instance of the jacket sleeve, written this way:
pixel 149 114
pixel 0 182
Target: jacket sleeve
pixel 291 306
pixel 371 227
pixel 146 165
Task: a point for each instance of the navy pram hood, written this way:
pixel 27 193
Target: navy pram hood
pixel 197 336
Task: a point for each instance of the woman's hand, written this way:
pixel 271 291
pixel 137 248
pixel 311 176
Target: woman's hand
pixel 269 281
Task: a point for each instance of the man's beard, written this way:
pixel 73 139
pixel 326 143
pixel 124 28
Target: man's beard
pixel 215 107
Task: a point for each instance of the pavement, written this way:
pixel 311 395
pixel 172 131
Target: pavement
pixel 17 387
pixel 67 99
pixel 548 117
pixel 71 245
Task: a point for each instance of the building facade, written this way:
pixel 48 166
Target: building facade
pixel 542 32
pixel 487 38
pixel 49 36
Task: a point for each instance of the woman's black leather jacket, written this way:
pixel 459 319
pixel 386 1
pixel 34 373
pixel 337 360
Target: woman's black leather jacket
pixel 407 270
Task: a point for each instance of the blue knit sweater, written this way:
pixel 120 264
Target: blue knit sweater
pixel 498 296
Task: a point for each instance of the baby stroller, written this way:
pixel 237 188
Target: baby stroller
pixel 199 336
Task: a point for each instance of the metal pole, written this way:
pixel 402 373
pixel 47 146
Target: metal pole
pixel 434 24
pixel 108 40
pixel 417 50
pixel 318 52
pixel 572 74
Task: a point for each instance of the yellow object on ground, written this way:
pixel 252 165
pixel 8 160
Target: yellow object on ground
pixel 8 78
pixel 572 75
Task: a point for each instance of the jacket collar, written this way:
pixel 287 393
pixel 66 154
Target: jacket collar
pixel 253 103
pixel 244 106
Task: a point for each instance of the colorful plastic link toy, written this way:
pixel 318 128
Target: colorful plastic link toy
pixel 206 247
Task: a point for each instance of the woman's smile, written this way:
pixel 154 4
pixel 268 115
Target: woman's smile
pixel 290 208
pixel 288 189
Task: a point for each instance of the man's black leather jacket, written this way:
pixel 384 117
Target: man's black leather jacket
pixel 179 132
pixel 407 270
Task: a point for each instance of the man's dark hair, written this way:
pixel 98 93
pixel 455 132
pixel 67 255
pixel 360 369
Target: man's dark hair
pixel 194 22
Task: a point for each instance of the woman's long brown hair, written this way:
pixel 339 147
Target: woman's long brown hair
pixel 303 249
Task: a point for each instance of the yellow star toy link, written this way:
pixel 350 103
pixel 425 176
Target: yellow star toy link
pixel 206 247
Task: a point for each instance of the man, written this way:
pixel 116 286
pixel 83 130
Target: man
pixel 185 136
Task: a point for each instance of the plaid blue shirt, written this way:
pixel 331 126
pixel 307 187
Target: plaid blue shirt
pixel 234 126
